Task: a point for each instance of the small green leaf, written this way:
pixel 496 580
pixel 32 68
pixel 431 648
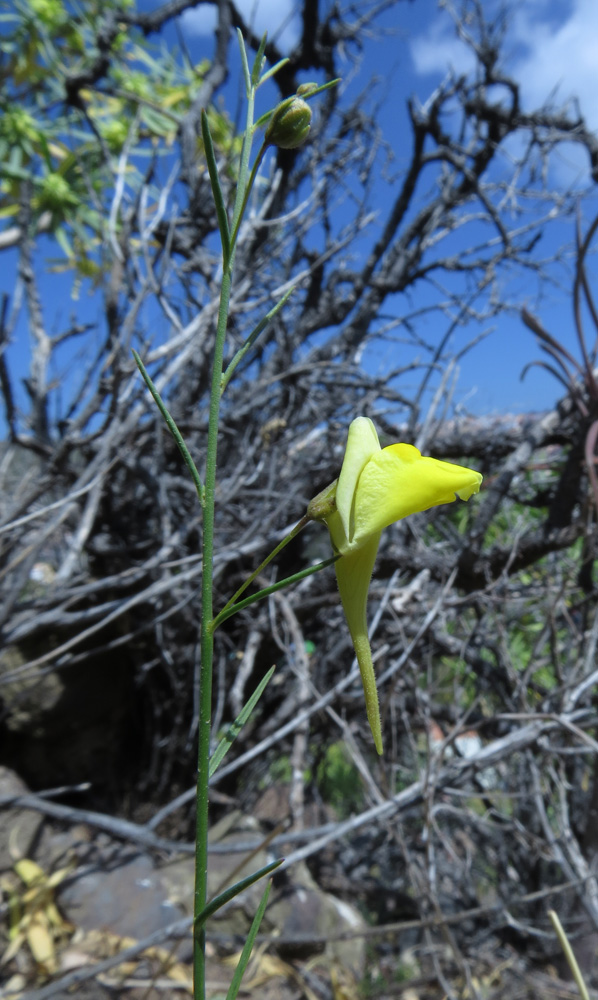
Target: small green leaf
pixel 216 189
pixel 258 62
pixel 251 339
pixel 244 63
pixel 228 611
pixel 248 946
pixel 273 69
pixel 234 890
pixel 228 739
pixel 172 427
pixel 63 242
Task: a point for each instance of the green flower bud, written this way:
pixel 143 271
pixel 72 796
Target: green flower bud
pixel 306 88
pixel 289 125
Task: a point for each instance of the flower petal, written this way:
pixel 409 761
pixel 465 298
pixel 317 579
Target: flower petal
pixel 354 572
pixel 398 481
pixel 362 444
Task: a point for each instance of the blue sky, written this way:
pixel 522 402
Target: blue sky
pixel 552 48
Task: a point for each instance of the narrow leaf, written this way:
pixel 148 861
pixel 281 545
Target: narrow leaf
pixel 63 242
pixel 234 890
pixel 216 189
pixel 172 427
pixel 233 731
pixel 258 61
pixel 265 562
pixel 248 946
pixel 306 97
pixel 295 578
pixel 324 86
pixel 251 339
pixel 244 63
pixel 273 69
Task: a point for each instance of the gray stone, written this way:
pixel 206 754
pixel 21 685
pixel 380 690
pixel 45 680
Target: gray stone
pixel 129 901
pixel 19 828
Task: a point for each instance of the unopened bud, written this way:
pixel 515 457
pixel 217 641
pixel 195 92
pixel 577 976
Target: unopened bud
pixel 306 88
pixel 289 125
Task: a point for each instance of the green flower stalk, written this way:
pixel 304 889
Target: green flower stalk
pixel 378 486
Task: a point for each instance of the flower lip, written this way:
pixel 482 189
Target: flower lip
pixel 398 481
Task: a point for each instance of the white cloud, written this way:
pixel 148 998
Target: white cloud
pixel 439 50
pixel 553 46
pixel 560 55
pixel 201 20
pixel 277 17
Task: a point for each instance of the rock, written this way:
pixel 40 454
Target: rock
pixel 19 828
pixel 128 901
pixel 306 911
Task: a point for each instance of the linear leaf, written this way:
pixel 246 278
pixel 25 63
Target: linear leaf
pixel 248 946
pixel 251 339
pixel 287 582
pixel 234 890
pixel 244 63
pixel 233 731
pixel 216 189
pixel 172 427
pixel 273 69
pixel 257 63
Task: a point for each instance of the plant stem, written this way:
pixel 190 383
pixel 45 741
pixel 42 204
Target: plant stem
pixel 207 649
pixel 569 955
pixel 246 193
pixel 207 624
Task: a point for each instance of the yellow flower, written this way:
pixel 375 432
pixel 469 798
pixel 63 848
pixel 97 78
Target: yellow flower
pixel 378 486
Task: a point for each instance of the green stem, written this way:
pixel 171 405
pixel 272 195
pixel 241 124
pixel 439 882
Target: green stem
pixel 207 650
pixel 229 235
pixel 244 186
pixel 207 624
pixel 255 168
